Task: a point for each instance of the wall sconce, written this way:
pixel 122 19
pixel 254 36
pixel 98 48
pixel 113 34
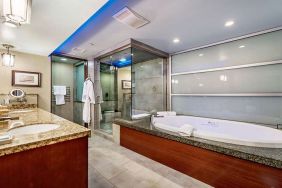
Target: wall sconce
pixel 8 60
pixel 16 12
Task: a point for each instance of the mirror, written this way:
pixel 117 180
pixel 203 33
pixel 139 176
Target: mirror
pixel 17 93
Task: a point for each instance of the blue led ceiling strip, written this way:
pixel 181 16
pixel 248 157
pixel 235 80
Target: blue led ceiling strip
pixel 70 39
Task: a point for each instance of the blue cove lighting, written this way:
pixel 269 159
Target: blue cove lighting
pixel 120 64
pixel 69 41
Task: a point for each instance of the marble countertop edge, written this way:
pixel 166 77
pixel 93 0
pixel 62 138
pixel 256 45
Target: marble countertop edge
pixel 41 143
pixel 66 131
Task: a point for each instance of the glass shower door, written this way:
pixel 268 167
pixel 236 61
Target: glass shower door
pixel 109 110
pixel 68 72
pixel 78 89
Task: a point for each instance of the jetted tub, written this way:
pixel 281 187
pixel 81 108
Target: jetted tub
pixel 222 130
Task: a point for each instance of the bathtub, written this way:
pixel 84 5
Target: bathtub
pixel 232 132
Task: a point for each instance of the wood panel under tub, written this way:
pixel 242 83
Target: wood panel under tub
pixel 213 168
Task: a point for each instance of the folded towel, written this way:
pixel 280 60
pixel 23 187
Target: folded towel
pixel 5 137
pixel 60 99
pixel 186 130
pixel 60 90
pixel 166 113
pixel 140 116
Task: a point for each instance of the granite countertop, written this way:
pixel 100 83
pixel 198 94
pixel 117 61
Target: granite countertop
pixel 67 130
pixel 267 156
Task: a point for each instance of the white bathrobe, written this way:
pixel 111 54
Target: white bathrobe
pixel 88 97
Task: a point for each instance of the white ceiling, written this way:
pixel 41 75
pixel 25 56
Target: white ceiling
pixel 194 22
pixel 52 21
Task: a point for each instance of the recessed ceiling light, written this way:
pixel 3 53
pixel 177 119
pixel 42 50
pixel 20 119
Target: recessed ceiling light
pixel 242 46
pixel 201 55
pixel 122 60
pixel 63 59
pixel 176 40
pixel 229 23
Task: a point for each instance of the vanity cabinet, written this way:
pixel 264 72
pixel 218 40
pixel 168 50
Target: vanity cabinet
pixel 63 164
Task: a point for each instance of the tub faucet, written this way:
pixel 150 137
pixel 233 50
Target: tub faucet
pixel 211 123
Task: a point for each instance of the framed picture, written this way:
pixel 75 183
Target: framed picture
pixel 126 84
pixel 26 79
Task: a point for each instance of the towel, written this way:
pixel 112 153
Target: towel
pixel 166 113
pixel 60 92
pixel 186 130
pixel 88 97
pixel 5 137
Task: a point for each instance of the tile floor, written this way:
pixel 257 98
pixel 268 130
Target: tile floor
pixel 111 165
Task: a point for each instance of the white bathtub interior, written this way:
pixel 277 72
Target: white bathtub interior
pixel 223 131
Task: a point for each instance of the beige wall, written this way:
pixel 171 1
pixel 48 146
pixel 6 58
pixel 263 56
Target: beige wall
pixel 34 63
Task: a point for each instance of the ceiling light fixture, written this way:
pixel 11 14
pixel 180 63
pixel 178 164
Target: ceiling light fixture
pixel 176 40
pixel 122 60
pixel 229 23
pixel 63 59
pixel 242 46
pixel 8 60
pixel 201 55
pixel 17 12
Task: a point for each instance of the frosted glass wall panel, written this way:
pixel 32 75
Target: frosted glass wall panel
pixel 261 48
pixel 148 87
pixel 261 79
pixel 267 110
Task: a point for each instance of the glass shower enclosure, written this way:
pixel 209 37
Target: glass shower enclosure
pixel 68 72
pixel 132 82
pixel 115 69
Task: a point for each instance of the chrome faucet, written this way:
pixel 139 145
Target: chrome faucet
pixel 211 123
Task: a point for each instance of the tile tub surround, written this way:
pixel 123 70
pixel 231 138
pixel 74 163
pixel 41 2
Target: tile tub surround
pixel 67 131
pixel 266 156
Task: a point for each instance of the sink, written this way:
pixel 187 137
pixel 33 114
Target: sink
pixel 20 111
pixel 33 129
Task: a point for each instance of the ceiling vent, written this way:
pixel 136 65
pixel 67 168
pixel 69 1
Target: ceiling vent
pixel 130 18
pixel 78 50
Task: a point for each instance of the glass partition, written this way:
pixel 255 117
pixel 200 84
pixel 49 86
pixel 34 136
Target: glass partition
pixel 239 80
pixel 115 80
pixel 69 73
pixel 133 86
pixel 148 83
